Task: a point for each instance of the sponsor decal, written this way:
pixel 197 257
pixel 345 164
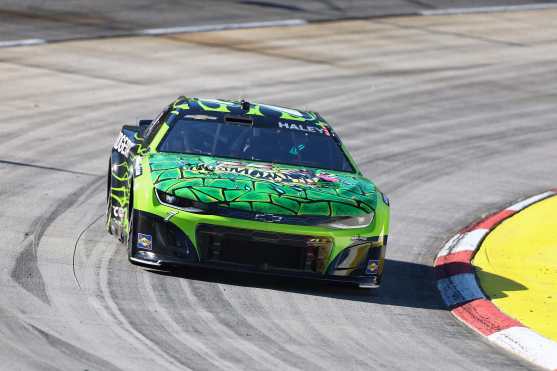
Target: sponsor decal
pixel 170 215
pixel 137 168
pixel 325 128
pixel 328 177
pixel 321 129
pixel 294 151
pixel 118 212
pixel 123 145
pixel 268 218
pixel 263 172
pixel 372 266
pixel 144 241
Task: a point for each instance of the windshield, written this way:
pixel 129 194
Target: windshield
pixel 246 142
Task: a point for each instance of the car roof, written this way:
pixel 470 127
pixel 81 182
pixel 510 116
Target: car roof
pixel 260 114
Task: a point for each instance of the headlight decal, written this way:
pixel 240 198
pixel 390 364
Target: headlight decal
pixel 351 222
pixel 363 258
pixel 179 202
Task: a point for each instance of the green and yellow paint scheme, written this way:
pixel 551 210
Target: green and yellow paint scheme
pixel 191 209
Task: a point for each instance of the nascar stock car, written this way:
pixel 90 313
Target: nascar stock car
pixel 244 186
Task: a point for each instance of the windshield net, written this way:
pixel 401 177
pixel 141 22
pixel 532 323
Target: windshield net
pixel 284 145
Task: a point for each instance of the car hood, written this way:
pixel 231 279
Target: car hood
pixel 263 187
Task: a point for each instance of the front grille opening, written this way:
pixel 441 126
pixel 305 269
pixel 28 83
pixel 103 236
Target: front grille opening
pixel 259 254
pixel 262 250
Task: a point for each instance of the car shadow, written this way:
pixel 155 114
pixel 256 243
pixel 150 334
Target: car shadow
pixel 404 284
pixel 497 286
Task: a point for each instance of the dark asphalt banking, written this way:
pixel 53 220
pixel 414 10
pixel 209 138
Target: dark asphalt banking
pixel 63 19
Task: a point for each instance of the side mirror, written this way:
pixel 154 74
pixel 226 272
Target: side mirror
pixel 143 125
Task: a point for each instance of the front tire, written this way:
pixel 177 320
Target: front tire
pixel 131 230
pixel 108 199
pixel 129 238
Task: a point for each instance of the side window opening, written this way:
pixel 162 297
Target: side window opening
pixel 154 127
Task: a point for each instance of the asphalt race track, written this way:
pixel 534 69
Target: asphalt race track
pixel 453 117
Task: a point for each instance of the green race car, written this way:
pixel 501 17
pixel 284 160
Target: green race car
pixel 243 186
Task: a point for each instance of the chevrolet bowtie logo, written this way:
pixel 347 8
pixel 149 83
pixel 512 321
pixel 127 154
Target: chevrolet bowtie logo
pixel 268 218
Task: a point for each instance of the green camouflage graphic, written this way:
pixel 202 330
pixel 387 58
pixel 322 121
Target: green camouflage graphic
pixel 261 187
pixel 283 117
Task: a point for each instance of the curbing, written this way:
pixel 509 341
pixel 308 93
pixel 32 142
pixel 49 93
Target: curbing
pixel 461 292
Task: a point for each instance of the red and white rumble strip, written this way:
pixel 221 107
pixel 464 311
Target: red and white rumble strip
pixel 461 292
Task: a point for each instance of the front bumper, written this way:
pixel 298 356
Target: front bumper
pixel 266 248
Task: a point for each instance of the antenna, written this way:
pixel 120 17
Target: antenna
pixel 245 105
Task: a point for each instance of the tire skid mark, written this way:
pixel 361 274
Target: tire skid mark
pixel 16 334
pixel 192 319
pixel 70 72
pixel 298 339
pixel 426 169
pixel 236 324
pixel 74 116
pixel 65 17
pixel 354 342
pixel 213 41
pixel 475 124
pixel 461 35
pixel 398 95
pixel 92 269
pixel 457 145
pixel 201 321
pixel 110 308
pixel 184 331
pixel 81 233
pixel 139 323
pixel 73 351
pixel 43 167
pixel 26 272
pixel 357 353
pixel 296 336
pixel 27 329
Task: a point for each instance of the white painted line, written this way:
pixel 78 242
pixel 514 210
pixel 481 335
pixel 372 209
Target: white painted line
pixel 529 201
pixel 459 289
pixel 24 42
pixel 468 241
pixel 488 9
pixel 528 344
pixel 221 27
pixel 447 249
